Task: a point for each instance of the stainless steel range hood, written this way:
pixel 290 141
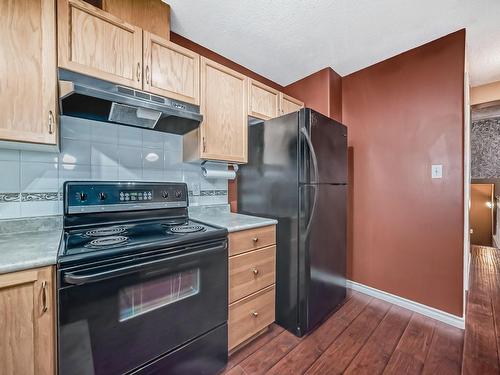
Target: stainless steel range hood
pixel 86 97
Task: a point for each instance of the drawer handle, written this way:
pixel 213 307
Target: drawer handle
pixel 255 271
pixel 255 314
pixel 255 239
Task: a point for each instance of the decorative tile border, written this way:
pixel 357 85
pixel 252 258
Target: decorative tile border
pixel 209 193
pixel 10 197
pixel 39 197
pixel 212 193
pixel 51 196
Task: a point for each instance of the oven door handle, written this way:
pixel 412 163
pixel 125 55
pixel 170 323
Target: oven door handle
pixel 76 279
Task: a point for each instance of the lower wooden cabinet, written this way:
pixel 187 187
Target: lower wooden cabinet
pixel 250 315
pixel 252 277
pixel 251 272
pixel 27 324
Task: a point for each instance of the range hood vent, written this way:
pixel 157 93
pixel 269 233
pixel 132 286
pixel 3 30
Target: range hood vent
pixel 95 99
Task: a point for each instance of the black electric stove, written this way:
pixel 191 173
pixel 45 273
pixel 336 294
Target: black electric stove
pixel 142 289
pixel 103 241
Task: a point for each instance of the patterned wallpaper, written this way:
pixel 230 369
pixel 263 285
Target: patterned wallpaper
pixel 485 148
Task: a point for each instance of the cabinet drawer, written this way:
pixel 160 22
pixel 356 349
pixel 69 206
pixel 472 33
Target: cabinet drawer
pixel 250 315
pixel 252 239
pixel 251 272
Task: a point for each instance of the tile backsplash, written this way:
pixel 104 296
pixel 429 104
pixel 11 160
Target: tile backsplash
pixel 31 181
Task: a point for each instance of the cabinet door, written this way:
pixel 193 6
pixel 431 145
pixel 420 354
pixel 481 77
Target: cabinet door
pixel 263 101
pixel 99 44
pixel 27 324
pixel 224 102
pixel 289 104
pixel 171 70
pixel 150 15
pixel 28 71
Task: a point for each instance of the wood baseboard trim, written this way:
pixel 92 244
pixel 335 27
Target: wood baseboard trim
pixel 431 312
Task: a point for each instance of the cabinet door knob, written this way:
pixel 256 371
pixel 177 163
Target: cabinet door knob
pixel 44 297
pixel 51 122
pixel 255 314
pixel 147 74
pixel 255 239
pixel 255 271
pixel 138 72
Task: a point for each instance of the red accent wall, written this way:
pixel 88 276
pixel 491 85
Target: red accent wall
pixel 406 229
pixel 321 91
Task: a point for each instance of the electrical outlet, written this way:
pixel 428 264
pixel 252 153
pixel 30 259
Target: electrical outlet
pixel 196 188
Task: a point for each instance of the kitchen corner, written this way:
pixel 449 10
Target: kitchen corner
pixel 192 196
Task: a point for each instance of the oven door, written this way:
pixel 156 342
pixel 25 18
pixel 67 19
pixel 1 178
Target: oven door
pixel 116 317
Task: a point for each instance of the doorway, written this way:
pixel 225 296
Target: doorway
pixel 482 214
pixel 485 174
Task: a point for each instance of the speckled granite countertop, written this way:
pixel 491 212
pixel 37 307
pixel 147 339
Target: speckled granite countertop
pixel 29 243
pixel 221 216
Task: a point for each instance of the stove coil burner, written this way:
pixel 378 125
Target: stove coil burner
pixel 173 223
pixel 107 241
pixel 105 232
pixel 188 229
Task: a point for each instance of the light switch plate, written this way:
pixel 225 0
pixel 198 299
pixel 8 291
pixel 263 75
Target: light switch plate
pixel 437 171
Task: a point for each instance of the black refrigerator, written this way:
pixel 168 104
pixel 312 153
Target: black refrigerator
pixel 297 174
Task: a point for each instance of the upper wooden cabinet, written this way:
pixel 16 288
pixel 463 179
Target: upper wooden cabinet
pixel 28 322
pixel 171 70
pixel 263 101
pixel 28 71
pixel 94 42
pixel 149 15
pixel 224 105
pixel 289 104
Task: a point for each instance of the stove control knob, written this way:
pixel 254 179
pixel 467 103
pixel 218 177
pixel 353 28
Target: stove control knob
pixel 178 194
pixel 164 194
pixel 82 196
pixel 102 196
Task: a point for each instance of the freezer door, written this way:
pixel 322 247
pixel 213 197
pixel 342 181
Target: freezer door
pixel 322 252
pixel 323 149
pixel 268 183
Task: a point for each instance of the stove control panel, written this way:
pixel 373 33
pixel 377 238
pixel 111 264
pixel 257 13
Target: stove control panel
pixel 83 197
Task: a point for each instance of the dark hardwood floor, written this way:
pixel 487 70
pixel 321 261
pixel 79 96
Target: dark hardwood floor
pixel 482 326
pixel 370 336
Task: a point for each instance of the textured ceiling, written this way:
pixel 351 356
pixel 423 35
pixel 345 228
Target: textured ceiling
pixel 285 40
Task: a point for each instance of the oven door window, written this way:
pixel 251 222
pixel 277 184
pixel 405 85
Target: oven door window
pixel 153 294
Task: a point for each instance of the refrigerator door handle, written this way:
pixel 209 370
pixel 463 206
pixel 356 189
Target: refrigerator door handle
pixel 313 210
pixel 304 132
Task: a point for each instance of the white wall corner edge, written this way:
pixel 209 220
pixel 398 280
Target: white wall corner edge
pixel 431 312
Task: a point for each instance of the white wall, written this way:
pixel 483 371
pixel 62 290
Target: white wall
pixel 31 182
pixel 496 236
